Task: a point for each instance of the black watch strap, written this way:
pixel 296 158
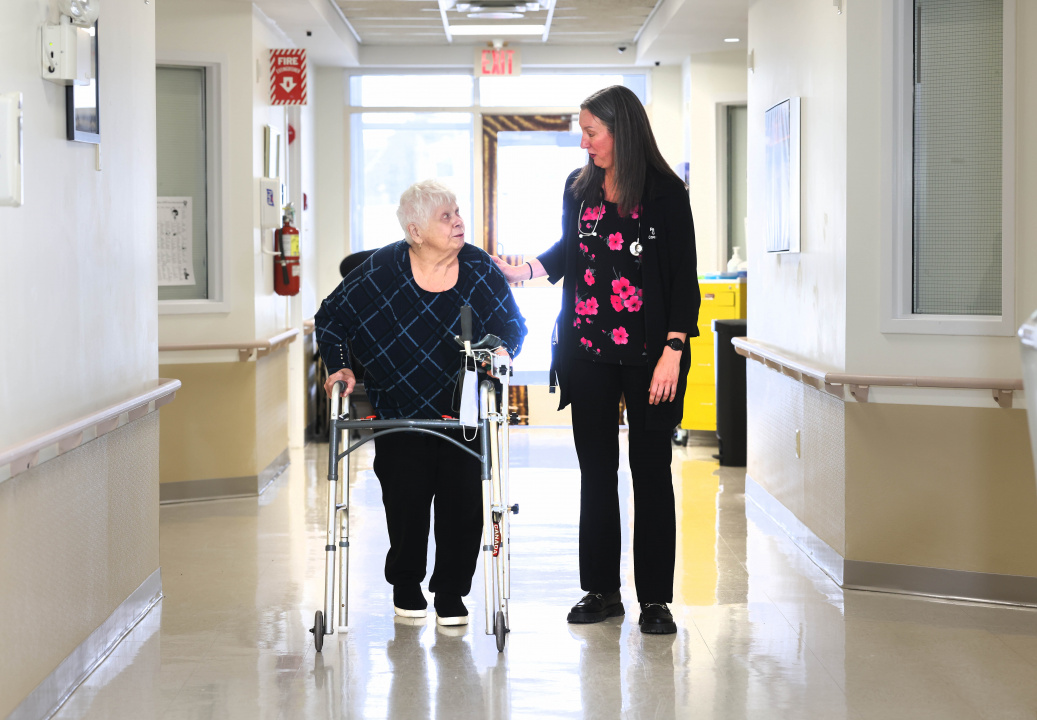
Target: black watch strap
pixel 676 343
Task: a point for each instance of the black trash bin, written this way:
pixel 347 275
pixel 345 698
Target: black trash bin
pixel 730 369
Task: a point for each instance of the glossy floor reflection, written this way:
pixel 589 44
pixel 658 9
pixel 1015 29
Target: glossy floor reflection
pixel 763 633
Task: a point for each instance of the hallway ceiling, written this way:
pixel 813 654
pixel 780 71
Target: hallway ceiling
pixel 574 22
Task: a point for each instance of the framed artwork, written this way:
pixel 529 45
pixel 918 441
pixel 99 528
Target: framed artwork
pixel 82 102
pixel 782 176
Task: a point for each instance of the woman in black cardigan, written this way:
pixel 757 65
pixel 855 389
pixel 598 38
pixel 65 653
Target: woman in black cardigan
pixel 630 300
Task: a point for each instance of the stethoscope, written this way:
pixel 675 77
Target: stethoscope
pixel 635 247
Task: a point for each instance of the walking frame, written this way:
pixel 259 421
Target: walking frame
pixel 492 429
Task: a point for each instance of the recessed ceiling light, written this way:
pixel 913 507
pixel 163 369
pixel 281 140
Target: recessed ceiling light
pixel 732 40
pixel 497 30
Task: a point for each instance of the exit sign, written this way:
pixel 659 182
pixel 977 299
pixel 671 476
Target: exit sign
pixel 501 63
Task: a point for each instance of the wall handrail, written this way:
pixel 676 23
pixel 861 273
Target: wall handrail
pixel 62 439
pixel 244 348
pixel 832 382
pixel 309 326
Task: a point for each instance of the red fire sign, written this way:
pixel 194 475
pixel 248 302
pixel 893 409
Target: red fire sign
pixel 287 77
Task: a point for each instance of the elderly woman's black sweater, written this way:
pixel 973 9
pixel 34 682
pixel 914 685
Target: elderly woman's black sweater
pixel 404 336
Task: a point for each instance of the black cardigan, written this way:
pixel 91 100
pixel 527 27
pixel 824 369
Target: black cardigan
pixel 671 289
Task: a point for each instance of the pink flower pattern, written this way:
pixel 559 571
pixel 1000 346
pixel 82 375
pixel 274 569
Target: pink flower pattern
pixel 625 338
pixel 623 288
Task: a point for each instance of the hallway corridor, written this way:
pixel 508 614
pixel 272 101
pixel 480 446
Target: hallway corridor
pixel 763 633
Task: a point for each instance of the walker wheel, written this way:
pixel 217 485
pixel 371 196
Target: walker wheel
pixel 318 630
pixel 500 630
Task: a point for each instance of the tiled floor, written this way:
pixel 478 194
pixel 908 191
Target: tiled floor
pixel 763 633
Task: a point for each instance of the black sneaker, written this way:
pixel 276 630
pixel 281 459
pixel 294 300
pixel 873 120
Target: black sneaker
pixel 595 607
pixel 450 610
pixel 408 601
pixel 656 619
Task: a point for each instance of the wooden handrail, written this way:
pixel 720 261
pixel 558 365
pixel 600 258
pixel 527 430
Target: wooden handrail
pixel 309 326
pixel 60 440
pixel 245 349
pixel 833 382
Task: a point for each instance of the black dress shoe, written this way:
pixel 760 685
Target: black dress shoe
pixel 595 607
pixel 656 619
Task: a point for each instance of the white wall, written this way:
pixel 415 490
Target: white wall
pixel 332 176
pixel 79 327
pixel 206 30
pixel 798 301
pixel 713 80
pixel 869 195
pixel 665 110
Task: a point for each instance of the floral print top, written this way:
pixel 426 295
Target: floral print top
pixel 609 324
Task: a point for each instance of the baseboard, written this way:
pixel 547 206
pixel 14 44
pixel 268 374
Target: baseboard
pixel 51 694
pixel 223 488
pixel 823 554
pixel 941 583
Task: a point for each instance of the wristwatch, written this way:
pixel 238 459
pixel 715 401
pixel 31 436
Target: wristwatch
pixel 676 344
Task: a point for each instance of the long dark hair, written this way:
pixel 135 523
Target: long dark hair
pixel 634 150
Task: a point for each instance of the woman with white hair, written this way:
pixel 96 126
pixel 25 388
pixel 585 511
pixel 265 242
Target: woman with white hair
pixel 398 313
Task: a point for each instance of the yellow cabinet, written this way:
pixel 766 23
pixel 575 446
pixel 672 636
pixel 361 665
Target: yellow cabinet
pixel 721 300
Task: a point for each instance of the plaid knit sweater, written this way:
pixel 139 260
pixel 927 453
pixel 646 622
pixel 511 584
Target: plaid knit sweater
pixel 404 336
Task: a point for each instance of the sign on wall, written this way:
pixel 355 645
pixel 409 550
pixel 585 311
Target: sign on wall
pixel 501 62
pixel 287 77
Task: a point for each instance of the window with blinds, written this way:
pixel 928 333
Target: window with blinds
pixel 957 157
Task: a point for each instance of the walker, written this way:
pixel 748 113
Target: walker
pixel 493 422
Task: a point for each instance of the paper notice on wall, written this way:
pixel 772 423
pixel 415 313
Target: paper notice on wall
pixel 175 241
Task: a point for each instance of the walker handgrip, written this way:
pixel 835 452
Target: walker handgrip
pixel 466 323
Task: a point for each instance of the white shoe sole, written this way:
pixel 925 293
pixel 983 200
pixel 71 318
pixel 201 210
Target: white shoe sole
pixel 450 621
pixel 410 613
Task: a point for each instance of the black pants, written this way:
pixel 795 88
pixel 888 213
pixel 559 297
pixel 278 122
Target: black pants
pixel 595 389
pixel 415 470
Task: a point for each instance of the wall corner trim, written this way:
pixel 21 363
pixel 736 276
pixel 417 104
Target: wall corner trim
pixel 48 697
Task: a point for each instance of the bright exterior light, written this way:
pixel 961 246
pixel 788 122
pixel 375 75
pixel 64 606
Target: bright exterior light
pixel 732 40
pixel 497 30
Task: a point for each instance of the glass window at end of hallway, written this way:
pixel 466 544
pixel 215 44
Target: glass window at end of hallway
pixel 391 151
pixel 958 236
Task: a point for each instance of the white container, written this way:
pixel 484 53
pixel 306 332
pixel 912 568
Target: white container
pixel 1028 338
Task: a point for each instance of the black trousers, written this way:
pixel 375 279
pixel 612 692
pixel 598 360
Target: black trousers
pixel 416 470
pixel 595 389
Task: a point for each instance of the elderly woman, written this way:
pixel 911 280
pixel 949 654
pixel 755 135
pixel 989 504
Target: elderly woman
pixel 398 313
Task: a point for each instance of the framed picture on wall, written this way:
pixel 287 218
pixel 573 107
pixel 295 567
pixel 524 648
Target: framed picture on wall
pixel 782 176
pixel 82 102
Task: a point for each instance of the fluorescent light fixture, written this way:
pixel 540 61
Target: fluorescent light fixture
pixel 732 40
pixel 497 30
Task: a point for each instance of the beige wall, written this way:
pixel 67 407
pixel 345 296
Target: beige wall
pixel 933 478
pixel 229 419
pixel 713 80
pixel 79 534
pixel 813 485
pixel 940 487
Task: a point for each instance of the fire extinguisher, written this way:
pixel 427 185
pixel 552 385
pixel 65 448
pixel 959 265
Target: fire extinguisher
pixel 286 264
